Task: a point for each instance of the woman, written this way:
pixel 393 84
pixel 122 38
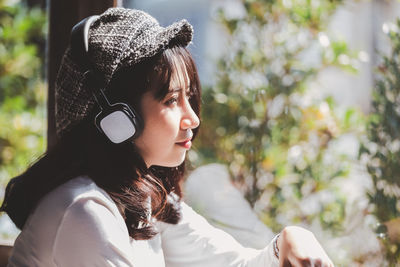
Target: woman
pixel 108 193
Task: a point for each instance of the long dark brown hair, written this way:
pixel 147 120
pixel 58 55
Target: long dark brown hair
pixel 117 168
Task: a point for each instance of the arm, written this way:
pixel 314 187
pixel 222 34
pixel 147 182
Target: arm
pixel 90 234
pixel 221 201
pixel 193 242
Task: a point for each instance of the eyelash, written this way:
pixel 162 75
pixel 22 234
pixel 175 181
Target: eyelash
pixel 174 99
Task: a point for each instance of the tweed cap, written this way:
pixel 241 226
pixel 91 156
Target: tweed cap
pixel 117 38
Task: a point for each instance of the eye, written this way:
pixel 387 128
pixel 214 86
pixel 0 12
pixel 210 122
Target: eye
pixel 172 100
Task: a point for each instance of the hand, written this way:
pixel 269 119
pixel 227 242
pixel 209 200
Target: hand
pixel 298 247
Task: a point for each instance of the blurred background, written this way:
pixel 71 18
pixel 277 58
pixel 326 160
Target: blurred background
pixel 300 119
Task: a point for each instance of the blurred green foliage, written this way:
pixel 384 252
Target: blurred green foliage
pixel 383 148
pixel 22 87
pixel 262 116
pixel 264 119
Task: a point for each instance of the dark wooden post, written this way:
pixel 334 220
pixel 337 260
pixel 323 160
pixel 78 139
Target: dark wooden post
pixel 37 3
pixel 63 15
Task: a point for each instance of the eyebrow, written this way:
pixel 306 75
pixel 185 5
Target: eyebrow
pixel 174 90
pixel 179 90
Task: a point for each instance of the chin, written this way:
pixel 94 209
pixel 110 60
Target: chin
pixel 173 163
pixel 176 164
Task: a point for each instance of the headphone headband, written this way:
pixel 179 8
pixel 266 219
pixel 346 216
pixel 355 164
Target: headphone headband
pixel 80 41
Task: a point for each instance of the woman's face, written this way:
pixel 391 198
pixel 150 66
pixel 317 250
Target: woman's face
pixel 168 124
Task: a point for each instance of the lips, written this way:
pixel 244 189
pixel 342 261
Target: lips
pixel 186 144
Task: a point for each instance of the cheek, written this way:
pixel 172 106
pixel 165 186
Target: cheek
pixel 161 127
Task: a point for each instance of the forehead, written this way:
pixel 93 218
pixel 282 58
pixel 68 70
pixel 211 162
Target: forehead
pixel 179 75
pixel 174 70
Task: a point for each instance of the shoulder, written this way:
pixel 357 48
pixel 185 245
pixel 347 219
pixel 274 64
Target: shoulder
pixel 92 213
pixel 91 227
pixel 90 221
pixel 85 203
pixel 75 202
pixel 69 195
pixel 77 218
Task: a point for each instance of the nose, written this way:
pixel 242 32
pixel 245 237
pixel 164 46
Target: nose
pixel 190 120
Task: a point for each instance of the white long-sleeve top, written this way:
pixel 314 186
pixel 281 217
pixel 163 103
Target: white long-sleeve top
pixel 78 224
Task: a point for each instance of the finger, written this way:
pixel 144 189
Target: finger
pixel 297 262
pixel 285 263
pixel 316 263
pixel 306 262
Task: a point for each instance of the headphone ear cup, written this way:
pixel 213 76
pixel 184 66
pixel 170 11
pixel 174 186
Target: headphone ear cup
pixel 117 127
pixel 119 123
